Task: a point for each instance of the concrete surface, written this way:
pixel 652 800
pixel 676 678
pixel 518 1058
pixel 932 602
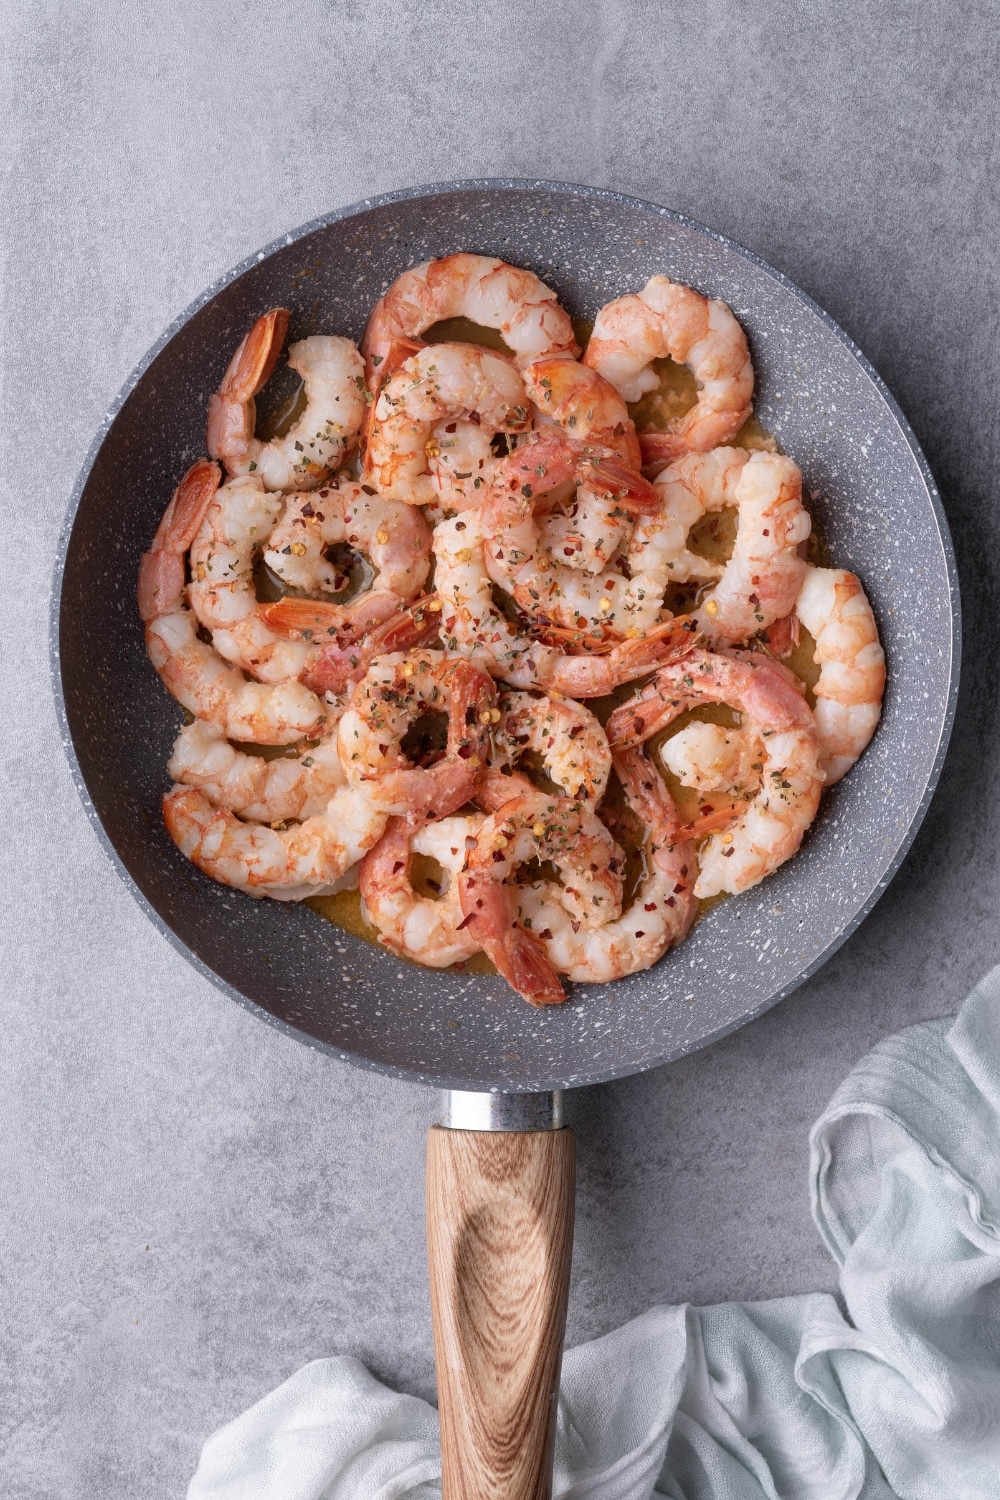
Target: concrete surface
pixel 192 1204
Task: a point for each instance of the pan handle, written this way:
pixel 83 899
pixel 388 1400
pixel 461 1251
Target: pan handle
pixel 500 1199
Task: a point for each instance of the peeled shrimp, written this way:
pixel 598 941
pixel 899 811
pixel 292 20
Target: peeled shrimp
pixel 430 932
pixel 394 537
pixel 666 319
pixel 472 624
pixel 562 596
pixel 332 373
pixel 762 578
pixel 709 758
pixel 567 737
pixel 192 672
pixel 478 287
pixel 314 858
pixel 580 403
pixel 262 791
pixel 391 696
pixel 563 832
pixel 835 610
pixel 662 908
pixel 442 383
pixel 770 829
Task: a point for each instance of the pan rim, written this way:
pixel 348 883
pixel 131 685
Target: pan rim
pixel 506 184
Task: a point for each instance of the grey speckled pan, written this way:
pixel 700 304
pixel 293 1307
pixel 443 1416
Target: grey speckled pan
pixel 867 486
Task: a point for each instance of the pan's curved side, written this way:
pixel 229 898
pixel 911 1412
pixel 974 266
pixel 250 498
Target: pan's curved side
pixel 869 487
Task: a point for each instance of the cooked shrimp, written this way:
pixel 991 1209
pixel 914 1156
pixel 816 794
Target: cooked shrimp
pixel 391 696
pixel 667 319
pixel 551 592
pixel 478 287
pixel 835 610
pixel 192 672
pixel 768 831
pixel 442 383
pixel 472 624
pixel 262 791
pixel 559 830
pixel 581 404
pixel 663 906
pixel 567 738
pixel 709 758
pixel 339 655
pixel 761 580
pixel 314 858
pixel 430 932
pixel 332 373
pixel 394 537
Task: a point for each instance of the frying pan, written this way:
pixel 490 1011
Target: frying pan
pixel 500 1168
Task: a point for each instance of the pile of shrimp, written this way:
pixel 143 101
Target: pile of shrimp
pixel 484 536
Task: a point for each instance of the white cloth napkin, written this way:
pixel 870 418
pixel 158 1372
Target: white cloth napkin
pixel 789 1399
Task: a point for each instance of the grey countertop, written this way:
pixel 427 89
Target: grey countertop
pixel 193 1205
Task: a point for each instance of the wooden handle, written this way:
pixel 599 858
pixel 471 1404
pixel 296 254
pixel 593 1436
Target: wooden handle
pixel 499 1243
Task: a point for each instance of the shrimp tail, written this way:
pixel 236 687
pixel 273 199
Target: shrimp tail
pixel 345 656
pixel 161 569
pixel 632 492
pixel 249 370
pixel 522 962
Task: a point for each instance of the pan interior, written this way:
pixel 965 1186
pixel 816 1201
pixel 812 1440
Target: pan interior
pixel 868 490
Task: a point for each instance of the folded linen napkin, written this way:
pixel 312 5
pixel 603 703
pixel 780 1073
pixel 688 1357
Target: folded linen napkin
pixel 788 1399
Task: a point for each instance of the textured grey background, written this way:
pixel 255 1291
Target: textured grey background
pixel 192 1204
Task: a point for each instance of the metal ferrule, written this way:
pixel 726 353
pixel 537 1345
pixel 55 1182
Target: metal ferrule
pixel 494 1111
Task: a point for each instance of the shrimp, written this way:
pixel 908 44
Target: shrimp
pixel 662 909
pixel 835 610
pixel 259 790
pixel 391 696
pixel 442 383
pixel 192 672
pixel 668 319
pixel 394 537
pixel 761 580
pixel 478 287
pixel 569 835
pixel 555 594
pixel 566 736
pixel 314 858
pixel 430 932
pixel 709 758
pixel 339 655
pixel 769 829
pixel 577 401
pixel 472 625
pixel 332 373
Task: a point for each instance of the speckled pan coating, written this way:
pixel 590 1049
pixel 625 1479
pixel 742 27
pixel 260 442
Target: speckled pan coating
pixel 867 485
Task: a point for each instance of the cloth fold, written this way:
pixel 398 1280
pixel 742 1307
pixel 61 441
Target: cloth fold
pixel 782 1400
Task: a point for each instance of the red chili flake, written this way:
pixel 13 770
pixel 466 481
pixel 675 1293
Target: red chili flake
pixel 649 906
pixel 398 866
pixel 727 853
pixel 679 888
pixel 459 525
pixel 451 427
pixel 671 901
pixel 684 870
pixel 575 926
pixel 640 934
pixel 465 921
pixel 465 751
pixel 307 509
pixel 383 749
pixel 498 857
pixel 766 532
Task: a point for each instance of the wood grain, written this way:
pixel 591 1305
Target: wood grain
pixel 500 1240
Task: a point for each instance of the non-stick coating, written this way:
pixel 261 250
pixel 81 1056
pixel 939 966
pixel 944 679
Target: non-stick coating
pixel 869 491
